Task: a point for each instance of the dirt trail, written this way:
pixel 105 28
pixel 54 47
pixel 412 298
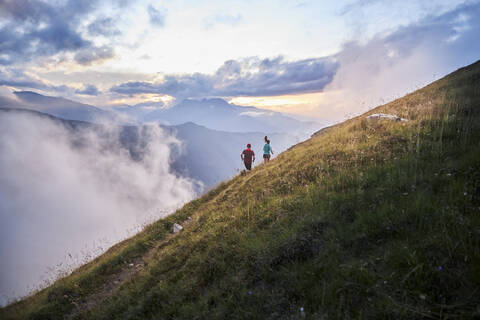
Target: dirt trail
pixel 133 267
pixel 128 271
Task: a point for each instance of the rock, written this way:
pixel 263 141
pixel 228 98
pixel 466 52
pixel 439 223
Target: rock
pixel 386 116
pixel 177 228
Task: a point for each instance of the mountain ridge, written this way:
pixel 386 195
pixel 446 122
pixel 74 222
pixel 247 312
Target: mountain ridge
pixel 210 168
pixel 214 113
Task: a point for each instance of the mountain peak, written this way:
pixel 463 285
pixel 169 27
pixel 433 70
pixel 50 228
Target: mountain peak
pixel 202 101
pixel 26 95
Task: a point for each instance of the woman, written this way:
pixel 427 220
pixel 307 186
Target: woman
pixel 267 149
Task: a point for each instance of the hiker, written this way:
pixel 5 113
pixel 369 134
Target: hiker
pixel 248 156
pixel 267 149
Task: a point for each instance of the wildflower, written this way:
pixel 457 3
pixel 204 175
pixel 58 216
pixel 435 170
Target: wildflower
pixel 250 293
pixel 388 228
pixel 440 268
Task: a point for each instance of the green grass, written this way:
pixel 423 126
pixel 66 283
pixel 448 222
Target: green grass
pixel 369 219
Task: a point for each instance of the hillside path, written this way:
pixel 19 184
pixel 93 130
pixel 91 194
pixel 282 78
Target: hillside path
pixel 128 271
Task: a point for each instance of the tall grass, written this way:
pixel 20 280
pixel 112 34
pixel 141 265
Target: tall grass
pixel 368 219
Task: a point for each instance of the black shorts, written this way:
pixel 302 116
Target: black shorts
pixel 248 165
pixel 266 156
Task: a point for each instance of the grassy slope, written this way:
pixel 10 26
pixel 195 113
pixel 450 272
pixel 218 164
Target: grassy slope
pixel 368 219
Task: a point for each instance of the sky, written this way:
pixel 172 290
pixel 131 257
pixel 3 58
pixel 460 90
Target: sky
pixel 315 59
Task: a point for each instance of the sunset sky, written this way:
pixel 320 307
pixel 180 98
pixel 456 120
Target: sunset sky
pixel 316 59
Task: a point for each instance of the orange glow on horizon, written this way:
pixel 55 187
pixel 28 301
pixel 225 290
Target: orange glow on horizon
pixel 299 104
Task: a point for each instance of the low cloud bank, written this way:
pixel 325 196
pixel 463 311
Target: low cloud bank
pixel 67 194
pixel 390 65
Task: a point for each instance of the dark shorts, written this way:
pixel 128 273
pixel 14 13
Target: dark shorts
pixel 266 156
pixel 248 165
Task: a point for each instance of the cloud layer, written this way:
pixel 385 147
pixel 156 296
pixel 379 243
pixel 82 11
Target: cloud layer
pixel 388 66
pixel 88 89
pixel 67 196
pixel 36 29
pixel 246 77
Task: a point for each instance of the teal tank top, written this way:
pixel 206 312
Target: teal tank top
pixel 267 149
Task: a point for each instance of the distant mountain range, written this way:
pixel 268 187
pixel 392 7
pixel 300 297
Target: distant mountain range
pixel 215 114
pixel 209 156
pixel 220 115
pixel 213 132
pixel 59 107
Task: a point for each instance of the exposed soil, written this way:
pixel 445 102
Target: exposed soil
pixel 129 270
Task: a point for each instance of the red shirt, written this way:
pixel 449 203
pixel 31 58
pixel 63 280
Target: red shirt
pixel 248 154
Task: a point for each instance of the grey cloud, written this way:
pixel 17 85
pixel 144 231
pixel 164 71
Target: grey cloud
pixel 179 86
pixel 246 77
pixel 275 76
pixel 157 17
pixel 89 89
pixel 103 27
pixel 88 56
pixel 18 79
pixel 35 28
pixel 14 77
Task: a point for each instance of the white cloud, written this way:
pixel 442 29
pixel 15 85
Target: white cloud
pixel 388 66
pixel 76 194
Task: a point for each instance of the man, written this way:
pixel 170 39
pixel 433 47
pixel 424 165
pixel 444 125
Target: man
pixel 248 156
